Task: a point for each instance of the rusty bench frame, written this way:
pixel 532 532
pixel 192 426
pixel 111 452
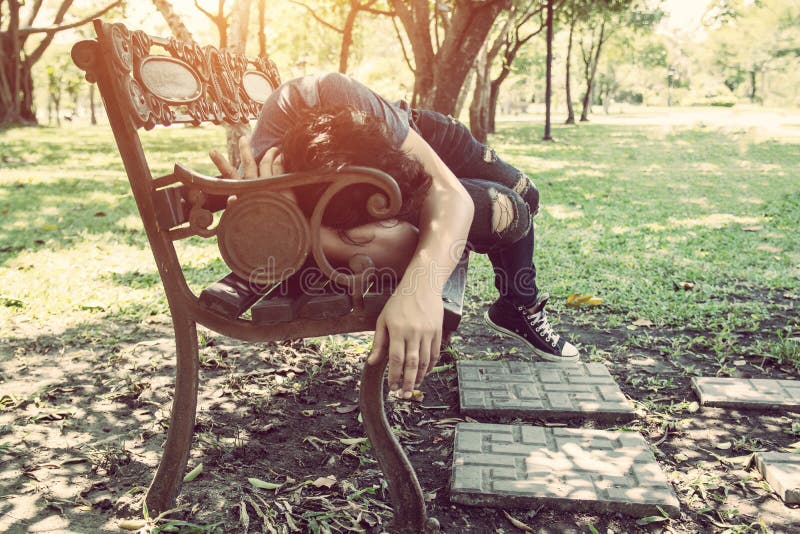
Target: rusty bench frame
pixel 222 87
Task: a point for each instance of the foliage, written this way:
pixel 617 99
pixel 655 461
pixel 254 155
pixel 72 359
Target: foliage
pixel 19 22
pixel 747 40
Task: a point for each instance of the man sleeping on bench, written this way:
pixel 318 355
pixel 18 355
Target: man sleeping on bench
pixel 456 193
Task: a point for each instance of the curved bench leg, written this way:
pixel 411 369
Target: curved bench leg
pixel 410 515
pixel 166 484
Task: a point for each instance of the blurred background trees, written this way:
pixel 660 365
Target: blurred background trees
pixel 476 58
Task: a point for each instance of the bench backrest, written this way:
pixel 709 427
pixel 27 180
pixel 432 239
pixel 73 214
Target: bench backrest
pixel 145 81
pixel 163 81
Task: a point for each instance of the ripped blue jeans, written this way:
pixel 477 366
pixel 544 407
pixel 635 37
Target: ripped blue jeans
pixel 505 202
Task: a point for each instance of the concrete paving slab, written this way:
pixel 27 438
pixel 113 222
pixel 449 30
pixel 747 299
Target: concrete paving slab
pixel 782 471
pixel 570 469
pixel 541 390
pixel 748 393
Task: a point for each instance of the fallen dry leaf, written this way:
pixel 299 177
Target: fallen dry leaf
pixel 642 322
pixel 576 299
pixel 324 482
pixel 347 409
pixel 517 523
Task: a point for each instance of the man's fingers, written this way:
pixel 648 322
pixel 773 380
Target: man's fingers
pixel 249 167
pixel 424 360
pixel 410 368
pixel 277 165
pixel 378 342
pixel 397 356
pixel 224 167
pixel 411 364
pixel 267 167
pixel 436 346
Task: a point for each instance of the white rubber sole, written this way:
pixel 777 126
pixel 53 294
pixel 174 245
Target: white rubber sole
pixel 544 355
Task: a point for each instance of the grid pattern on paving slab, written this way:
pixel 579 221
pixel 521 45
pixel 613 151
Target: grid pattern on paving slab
pixel 570 469
pixel 782 471
pixel 748 393
pixel 540 389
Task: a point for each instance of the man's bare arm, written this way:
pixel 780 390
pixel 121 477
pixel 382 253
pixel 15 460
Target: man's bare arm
pixel 410 326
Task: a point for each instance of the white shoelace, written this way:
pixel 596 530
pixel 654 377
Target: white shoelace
pixel 540 323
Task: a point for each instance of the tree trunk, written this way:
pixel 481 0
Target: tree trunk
pixel 10 68
pixel 549 73
pixel 468 32
pixel 16 81
pixel 347 37
pixel 587 98
pixel 753 86
pixel 465 90
pixel 568 84
pixel 478 109
pixel 237 40
pixel 262 34
pixel 494 97
pixel 27 110
pixel 492 89
pixel 176 25
pixel 440 75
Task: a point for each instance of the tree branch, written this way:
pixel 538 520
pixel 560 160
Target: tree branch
pixel 34 11
pixel 57 26
pixel 374 11
pixel 317 17
pixel 497 44
pixel 367 7
pixel 528 16
pixel 204 12
pixel 402 45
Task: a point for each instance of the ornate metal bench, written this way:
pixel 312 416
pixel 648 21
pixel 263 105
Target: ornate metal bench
pixel 147 81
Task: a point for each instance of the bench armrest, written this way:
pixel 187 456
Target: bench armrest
pixel 212 185
pixel 288 243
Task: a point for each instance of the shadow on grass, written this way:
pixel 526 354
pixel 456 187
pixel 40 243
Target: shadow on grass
pixel 59 214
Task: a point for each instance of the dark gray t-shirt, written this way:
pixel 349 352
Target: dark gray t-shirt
pixel 287 102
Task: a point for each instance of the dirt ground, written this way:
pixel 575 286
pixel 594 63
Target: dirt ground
pixel 84 413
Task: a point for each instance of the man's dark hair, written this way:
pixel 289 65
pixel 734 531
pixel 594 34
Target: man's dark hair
pixel 329 138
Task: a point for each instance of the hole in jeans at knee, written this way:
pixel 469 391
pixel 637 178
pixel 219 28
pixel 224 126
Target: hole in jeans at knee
pixel 503 213
pixel 522 185
pixel 489 155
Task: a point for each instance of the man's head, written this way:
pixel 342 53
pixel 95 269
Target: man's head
pixel 329 138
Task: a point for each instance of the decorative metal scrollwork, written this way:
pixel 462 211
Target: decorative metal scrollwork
pixel 263 238
pixel 120 39
pixel 222 95
pixel 200 219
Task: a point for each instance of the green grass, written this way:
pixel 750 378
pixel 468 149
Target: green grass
pixel 71 243
pixel 629 213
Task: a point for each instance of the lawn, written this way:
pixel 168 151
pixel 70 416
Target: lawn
pixel 687 233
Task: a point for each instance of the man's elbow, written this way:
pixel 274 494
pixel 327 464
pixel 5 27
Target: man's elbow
pixel 467 206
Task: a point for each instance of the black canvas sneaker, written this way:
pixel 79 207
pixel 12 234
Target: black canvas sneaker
pixel 530 326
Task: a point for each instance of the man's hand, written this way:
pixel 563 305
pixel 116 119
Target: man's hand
pixel 410 329
pixel 271 164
